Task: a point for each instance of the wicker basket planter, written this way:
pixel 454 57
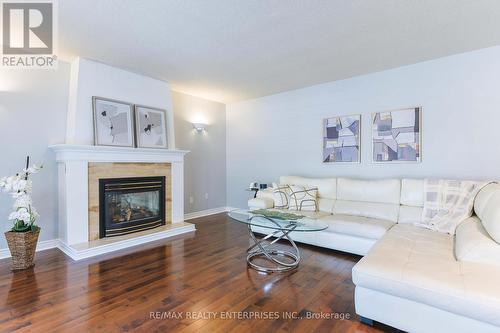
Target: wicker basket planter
pixel 22 246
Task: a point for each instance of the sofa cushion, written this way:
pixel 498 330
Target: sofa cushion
pixel 260 203
pixel 410 215
pixel 382 191
pixel 412 192
pixel 367 209
pixel 487 208
pixel 326 205
pixel 327 187
pixel 357 226
pixel 419 264
pixel 473 243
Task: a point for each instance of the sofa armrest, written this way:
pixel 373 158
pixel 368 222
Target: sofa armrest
pixel 267 193
pixel 260 203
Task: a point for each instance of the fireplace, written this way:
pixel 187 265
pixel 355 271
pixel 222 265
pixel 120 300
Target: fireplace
pixel 80 169
pixel 128 205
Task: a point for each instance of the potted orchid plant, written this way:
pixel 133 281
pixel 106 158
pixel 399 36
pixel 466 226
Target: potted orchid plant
pixel 23 236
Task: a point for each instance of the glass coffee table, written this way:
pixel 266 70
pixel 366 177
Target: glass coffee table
pixel 281 260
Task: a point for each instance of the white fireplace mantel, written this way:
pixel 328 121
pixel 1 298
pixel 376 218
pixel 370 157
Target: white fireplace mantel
pixel 67 152
pixel 73 163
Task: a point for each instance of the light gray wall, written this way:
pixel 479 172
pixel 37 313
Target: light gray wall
pixel 205 165
pixel 33 106
pixel 460 95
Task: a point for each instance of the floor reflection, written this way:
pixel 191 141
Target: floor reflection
pixel 25 283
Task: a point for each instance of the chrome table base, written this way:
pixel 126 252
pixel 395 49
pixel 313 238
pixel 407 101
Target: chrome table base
pixel 264 249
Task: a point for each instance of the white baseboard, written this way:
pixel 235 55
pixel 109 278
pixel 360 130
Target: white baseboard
pixel 42 245
pixel 206 212
pixel 79 254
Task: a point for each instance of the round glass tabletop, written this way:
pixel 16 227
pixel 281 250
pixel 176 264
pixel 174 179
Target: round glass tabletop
pixel 294 222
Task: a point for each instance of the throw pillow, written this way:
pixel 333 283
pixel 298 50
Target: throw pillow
pixel 281 196
pixel 303 199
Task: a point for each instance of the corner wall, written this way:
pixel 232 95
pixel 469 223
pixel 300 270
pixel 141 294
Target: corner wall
pixel 282 134
pixel 33 105
pixel 205 165
pixel 90 78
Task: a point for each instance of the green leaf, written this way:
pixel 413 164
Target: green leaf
pixel 22 228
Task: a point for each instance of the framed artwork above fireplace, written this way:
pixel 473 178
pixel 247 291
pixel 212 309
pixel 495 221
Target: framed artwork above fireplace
pixel 150 127
pixel 113 122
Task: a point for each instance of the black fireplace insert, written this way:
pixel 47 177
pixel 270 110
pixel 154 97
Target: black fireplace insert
pixel 128 205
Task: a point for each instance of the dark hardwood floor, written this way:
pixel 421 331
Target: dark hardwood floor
pixel 166 286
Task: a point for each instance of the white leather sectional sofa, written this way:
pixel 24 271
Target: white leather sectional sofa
pixel 411 278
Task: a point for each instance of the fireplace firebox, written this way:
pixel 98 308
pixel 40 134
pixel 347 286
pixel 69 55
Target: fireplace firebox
pixel 128 205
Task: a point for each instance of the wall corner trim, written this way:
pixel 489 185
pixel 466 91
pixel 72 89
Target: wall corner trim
pixel 206 212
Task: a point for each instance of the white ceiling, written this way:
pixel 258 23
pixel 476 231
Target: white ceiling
pixel 231 50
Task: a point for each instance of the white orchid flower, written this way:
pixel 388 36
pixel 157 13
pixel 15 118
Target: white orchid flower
pixel 33 169
pixel 23 200
pixel 3 182
pixel 7 183
pixel 13 216
pixel 20 187
pixel 24 216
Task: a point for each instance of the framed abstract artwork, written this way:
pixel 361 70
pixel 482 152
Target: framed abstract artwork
pixel 113 122
pixel 397 135
pixel 151 127
pixel 341 139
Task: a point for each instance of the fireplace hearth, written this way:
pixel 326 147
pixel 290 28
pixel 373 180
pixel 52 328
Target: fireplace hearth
pixel 128 205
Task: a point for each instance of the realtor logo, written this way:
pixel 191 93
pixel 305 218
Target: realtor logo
pixel 28 30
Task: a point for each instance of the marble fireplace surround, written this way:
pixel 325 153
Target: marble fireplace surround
pixel 78 164
pixel 123 170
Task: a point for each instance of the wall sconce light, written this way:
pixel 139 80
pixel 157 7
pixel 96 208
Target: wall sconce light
pixel 199 127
